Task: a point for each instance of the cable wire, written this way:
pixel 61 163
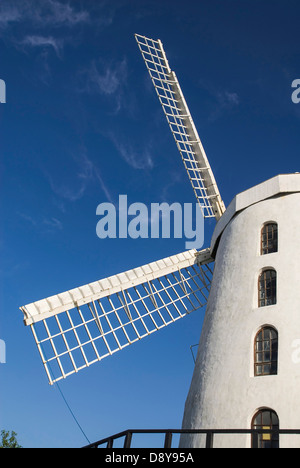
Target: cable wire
pixel 73 415
pixel 65 400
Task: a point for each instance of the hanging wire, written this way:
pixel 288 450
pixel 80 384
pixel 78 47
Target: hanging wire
pixel 66 403
pixel 72 413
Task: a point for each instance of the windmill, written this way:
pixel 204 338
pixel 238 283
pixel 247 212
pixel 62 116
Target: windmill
pixel 82 326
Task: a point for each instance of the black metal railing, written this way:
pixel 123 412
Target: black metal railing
pixel 256 436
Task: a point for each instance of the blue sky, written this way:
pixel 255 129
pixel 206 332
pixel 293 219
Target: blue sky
pixel 81 126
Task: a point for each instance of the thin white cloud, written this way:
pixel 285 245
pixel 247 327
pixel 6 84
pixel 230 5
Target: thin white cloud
pixel 41 13
pixel 28 218
pixel 67 191
pixel 8 15
pixel 225 101
pixel 53 223
pixel 50 223
pixel 107 80
pixel 74 190
pixel 103 186
pixel 41 41
pixel 58 14
pixel 137 159
pixel 174 178
pixel 230 98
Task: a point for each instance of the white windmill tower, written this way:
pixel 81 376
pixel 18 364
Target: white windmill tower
pixel 245 375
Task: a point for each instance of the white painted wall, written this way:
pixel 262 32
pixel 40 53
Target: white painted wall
pixel 224 392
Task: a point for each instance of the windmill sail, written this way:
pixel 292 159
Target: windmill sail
pixel 79 327
pixel 182 127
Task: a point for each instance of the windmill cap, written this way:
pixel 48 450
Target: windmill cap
pixel 283 183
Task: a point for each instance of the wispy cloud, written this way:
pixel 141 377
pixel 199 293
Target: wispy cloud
pixel 109 79
pixel 41 41
pixel 223 100
pixel 103 186
pixel 74 188
pixel 105 79
pixel 137 159
pixel 28 218
pixel 174 179
pixel 53 223
pixel 49 224
pixel 9 14
pixel 47 25
pixel 41 13
pixel 73 191
pixel 56 13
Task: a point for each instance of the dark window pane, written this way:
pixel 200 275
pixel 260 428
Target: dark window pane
pixel 267 288
pixel 266 352
pixel 269 238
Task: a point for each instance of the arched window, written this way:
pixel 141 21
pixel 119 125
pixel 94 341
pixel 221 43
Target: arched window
pixel 265 419
pixel 266 352
pixel 267 288
pixel 269 238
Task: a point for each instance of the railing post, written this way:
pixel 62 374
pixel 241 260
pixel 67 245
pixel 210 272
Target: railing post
pixel 255 439
pixel 128 437
pixel 209 440
pixel 168 440
pixel 110 442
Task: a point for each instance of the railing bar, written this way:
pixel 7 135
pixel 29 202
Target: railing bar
pixel 168 439
pixel 128 437
pixel 209 440
pixel 169 433
pixel 110 443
